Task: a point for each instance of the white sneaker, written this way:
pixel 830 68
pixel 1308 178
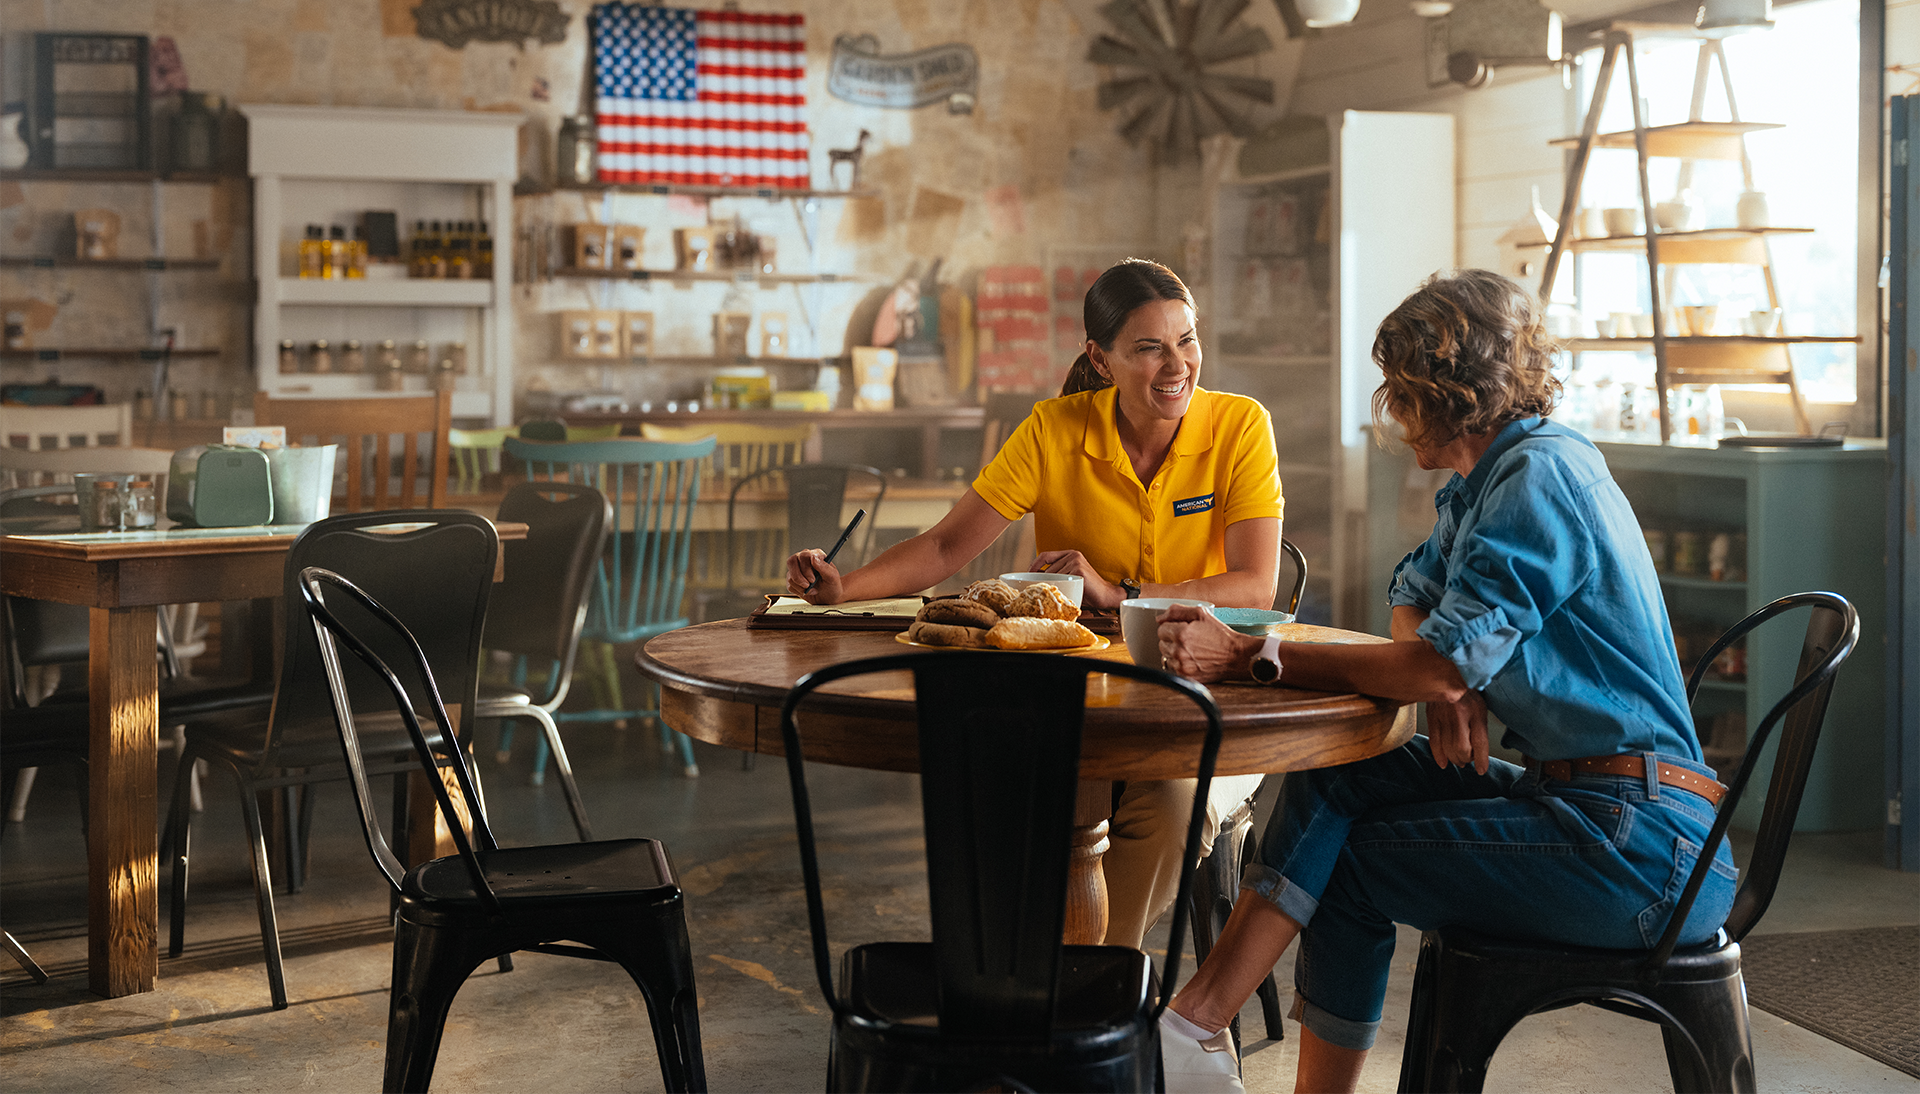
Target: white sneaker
pixel 1198 1067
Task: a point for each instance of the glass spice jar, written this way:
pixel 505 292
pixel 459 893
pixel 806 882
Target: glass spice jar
pixel 320 356
pixel 352 357
pixel 289 357
pixel 457 353
pixel 419 358
pixel 387 366
pixel 444 376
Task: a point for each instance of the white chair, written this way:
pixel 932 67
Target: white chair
pixel 44 427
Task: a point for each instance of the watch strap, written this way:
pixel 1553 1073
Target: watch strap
pixel 1264 667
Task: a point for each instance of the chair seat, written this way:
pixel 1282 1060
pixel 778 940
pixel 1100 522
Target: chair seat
pixel 1102 988
pixel 496 696
pixel 1554 962
pixel 562 873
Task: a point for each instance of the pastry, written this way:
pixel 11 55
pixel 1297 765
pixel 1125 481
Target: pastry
pixel 1030 633
pixel 992 592
pixel 958 612
pixel 1044 601
pixel 946 634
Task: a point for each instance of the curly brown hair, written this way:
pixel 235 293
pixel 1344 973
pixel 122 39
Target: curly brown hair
pixel 1465 353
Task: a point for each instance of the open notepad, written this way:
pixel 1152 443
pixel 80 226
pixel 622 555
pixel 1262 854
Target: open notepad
pixel 887 614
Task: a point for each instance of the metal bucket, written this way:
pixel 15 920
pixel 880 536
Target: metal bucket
pixel 302 483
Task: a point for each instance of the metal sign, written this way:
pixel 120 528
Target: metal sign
pixel 457 22
pixel 861 74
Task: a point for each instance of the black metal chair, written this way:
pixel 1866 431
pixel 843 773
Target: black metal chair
pixel 434 567
pixel 1470 989
pixel 537 613
pixel 619 898
pixel 1216 883
pixel 995 997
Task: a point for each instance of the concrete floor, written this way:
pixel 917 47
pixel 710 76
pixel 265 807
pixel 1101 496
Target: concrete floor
pixel 556 1023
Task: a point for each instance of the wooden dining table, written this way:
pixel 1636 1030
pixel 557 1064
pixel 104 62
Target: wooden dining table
pixel 122 577
pixel 724 683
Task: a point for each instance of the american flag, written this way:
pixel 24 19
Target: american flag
pixel 701 98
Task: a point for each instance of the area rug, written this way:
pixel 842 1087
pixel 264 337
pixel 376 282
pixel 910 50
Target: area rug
pixel 1856 987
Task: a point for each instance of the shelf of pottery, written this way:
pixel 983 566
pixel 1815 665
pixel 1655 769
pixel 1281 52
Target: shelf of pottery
pixel 1708 311
pixel 656 294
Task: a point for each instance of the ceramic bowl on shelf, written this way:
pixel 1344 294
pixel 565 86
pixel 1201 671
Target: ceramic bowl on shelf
pixel 1700 318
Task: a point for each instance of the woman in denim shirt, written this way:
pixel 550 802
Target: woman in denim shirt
pixel 1534 599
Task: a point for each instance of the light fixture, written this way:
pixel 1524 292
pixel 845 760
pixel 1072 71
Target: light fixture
pixel 1477 36
pixel 1301 16
pixel 1719 18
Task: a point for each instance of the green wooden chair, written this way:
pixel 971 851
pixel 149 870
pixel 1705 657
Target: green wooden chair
pixel 640 590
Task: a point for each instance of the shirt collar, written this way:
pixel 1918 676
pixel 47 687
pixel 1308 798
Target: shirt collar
pixel 1510 434
pixel 1102 439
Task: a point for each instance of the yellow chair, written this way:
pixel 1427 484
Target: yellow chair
pixel 475 457
pixel 740 449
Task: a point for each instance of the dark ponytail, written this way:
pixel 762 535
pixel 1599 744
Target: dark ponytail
pixel 1123 287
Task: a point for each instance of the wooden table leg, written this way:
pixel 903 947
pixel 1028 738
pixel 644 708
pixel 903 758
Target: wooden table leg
pixel 1086 885
pixel 123 844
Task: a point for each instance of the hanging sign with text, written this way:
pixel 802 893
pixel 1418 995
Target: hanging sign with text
pixel 861 74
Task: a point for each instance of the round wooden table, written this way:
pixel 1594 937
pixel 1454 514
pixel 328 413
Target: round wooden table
pixel 723 683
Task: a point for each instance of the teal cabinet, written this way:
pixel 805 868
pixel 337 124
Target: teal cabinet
pixel 1811 519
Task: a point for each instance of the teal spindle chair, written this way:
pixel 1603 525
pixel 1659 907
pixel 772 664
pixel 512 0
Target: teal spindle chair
pixel 642 583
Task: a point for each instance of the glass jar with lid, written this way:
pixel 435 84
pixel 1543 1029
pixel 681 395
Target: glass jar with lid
pixel 352 357
pixel 320 356
pixel 289 357
pixel 386 366
pixel 457 353
pixel 419 358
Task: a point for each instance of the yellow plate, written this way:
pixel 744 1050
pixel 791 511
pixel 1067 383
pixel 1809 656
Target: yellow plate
pixel 1099 643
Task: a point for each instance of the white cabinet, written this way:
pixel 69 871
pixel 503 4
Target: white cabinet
pixel 1317 235
pixel 328 165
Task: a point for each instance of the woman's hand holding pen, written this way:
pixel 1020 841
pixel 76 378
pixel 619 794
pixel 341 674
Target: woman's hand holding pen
pixel 814 579
pixel 1099 592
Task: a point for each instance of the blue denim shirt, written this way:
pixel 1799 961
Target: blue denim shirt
pixel 1539 587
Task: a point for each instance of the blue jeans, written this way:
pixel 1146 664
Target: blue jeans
pixel 1594 861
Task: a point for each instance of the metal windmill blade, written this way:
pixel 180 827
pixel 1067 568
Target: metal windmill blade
pixel 1172 102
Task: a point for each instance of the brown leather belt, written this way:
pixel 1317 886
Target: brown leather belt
pixel 1632 767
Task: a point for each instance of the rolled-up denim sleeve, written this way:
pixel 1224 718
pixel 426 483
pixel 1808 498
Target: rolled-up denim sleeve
pixel 1420 579
pixel 1529 548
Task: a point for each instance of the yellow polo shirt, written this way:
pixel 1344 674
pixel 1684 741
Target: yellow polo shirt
pixel 1064 464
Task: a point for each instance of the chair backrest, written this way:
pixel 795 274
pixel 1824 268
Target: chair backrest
pixel 816 496
pixel 41 467
pixel 1299 558
pixel 539 609
pixel 652 486
pixel 433 568
pixel 1832 631
pixel 742 448
pixel 472 456
pixel 46 427
pixel 999 737
pixel 328 598
pixel 365 428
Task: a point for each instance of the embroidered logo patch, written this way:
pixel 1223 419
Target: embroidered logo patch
pixel 1189 506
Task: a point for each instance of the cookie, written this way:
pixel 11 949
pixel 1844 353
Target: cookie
pixel 959 613
pixel 1044 602
pixel 945 634
pixel 1030 633
pixel 992 592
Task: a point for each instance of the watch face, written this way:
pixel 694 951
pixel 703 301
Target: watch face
pixel 1264 671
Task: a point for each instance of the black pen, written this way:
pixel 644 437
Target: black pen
pixel 858 516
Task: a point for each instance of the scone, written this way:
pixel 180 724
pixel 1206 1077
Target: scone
pixel 1032 633
pixel 946 634
pixel 1044 602
pixel 958 612
pixel 992 592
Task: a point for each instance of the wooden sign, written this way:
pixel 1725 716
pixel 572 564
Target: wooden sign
pixel 859 73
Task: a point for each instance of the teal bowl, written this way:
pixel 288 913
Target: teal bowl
pixel 1255 621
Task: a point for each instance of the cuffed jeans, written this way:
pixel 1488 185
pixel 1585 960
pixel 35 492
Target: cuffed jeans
pixel 1594 861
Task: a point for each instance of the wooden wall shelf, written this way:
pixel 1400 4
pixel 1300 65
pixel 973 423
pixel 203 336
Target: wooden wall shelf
pixel 742 277
pixel 1682 140
pixel 54 261
pixel 111 353
pixel 771 193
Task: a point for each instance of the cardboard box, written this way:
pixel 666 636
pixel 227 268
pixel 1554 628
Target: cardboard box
pixel 587 245
pixel 624 252
pixel 590 335
pixel 693 248
pixel 773 334
pixel 873 371
pixel 730 333
pixel 636 333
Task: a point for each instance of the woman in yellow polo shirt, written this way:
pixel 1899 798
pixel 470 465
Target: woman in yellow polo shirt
pixel 1143 484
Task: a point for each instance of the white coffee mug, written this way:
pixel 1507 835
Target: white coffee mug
pixel 1140 625
pixel 1751 210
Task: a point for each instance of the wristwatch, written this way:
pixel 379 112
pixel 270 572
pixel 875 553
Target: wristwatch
pixel 1265 666
pixel 1130 587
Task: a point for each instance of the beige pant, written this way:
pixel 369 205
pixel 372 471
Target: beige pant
pixel 1146 836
